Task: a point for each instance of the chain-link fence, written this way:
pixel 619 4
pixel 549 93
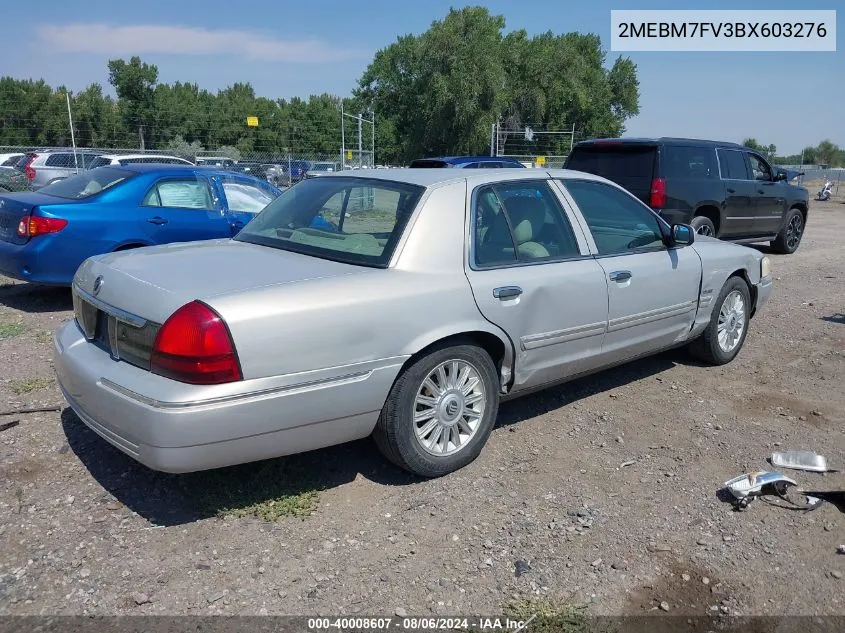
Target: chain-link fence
pixel 534 145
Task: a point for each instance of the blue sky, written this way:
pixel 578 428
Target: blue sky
pixel 298 48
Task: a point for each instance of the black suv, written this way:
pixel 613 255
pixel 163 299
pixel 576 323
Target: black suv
pixel 724 190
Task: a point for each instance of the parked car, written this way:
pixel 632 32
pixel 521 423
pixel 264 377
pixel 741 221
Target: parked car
pixel 251 168
pixel 44 167
pixel 214 161
pixel 469 162
pixel 287 173
pixel 45 236
pixel 10 160
pixel 321 168
pixel 128 159
pixel 408 319
pixel 721 189
pixel 12 180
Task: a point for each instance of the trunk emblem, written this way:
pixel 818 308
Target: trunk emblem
pixel 98 284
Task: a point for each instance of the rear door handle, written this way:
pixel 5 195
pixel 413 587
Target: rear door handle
pixel 507 292
pixel 157 220
pixel 620 275
pixel 761 192
pixel 731 190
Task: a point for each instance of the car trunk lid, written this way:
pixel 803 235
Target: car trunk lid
pixel 630 165
pixel 154 282
pixel 15 207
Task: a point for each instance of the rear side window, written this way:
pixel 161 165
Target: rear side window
pixel 518 222
pixel 183 193
pixel 689 162
pixel 12 161
pixel 59 160
pixel 100 161
pixel 732 164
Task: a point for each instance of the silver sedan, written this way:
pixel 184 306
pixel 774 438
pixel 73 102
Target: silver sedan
pixel 402 304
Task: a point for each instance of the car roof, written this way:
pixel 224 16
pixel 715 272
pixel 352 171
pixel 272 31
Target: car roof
pixel 663 140
pixel 144 168
pixel 457 160
pixel 121 156
pixel 64 150
pixel 426 177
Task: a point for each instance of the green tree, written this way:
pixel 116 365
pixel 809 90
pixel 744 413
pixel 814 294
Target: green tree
pixel 135 83
pixel 440 92
pixel 827 153
pixel 768 151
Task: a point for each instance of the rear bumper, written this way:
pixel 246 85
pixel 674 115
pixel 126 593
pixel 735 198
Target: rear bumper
pixel 175 427
pixel 25 262
pixel 675 216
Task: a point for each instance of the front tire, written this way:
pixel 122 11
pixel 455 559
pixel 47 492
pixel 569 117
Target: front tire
pixel 725 334
pixel 440 411
pixel 789 238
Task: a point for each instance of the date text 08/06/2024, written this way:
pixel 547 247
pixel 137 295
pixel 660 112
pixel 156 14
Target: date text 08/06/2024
pixel 415 624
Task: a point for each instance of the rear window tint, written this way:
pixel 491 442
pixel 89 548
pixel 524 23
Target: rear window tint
pixel 689 162
pixel 428 163
pixel 100 161
pixel 59 160
pixel 87 184
pixel 614 162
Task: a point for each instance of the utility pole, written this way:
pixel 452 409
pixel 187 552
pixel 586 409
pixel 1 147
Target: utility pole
pixel 373 117
pixel 360 146
pixel 342 138
pixel 72 137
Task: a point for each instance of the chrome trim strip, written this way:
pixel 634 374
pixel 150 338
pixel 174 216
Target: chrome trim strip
pixel 285 389
pixel 633 320
pixel 117 313
pixel 567 335
pixel 755 217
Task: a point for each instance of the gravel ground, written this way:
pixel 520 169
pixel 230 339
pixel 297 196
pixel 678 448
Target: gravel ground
pixel 602 492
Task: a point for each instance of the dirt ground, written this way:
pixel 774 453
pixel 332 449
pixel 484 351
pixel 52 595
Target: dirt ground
pixel 602 492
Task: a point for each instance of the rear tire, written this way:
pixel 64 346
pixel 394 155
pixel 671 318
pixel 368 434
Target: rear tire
pixel 703 226
pixel 725 334
pixel 789 238
pixel 440 410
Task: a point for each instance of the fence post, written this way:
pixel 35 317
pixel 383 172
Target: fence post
pixel 72 137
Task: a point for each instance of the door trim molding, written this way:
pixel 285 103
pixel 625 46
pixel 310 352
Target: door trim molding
pixel 641 318
pixel 544 339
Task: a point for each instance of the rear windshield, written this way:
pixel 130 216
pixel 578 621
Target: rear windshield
pixel 87 184
pixel 353 220
pixel 614 162
pixel 425 162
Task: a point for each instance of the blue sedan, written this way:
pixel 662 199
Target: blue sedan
pixel 46 235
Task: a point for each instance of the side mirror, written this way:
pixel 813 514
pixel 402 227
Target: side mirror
pixel 682 235
pixel 781 175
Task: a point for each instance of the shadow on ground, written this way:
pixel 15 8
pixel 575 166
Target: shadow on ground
pixel 34 298
pixel 835 318
pixel 167 499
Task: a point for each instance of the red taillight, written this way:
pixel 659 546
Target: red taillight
pixel 658 193
pixel 33 225
pixel 27 168
pixel 194 346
